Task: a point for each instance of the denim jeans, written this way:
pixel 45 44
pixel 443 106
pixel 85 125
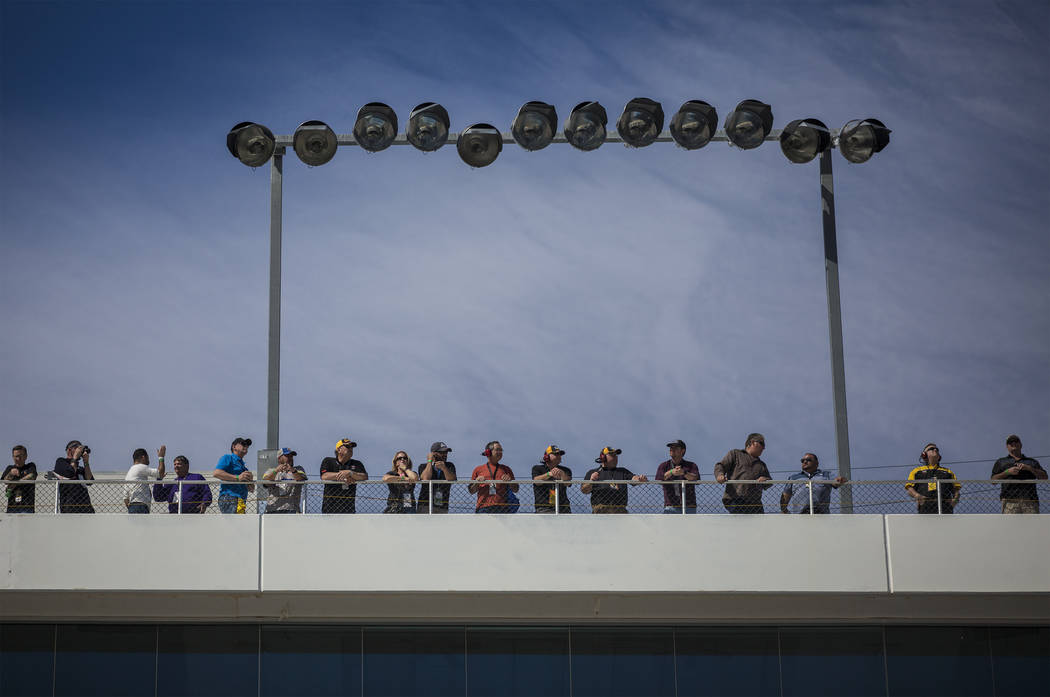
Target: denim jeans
pixel 228 504
pixel 138 508
pixel 678 509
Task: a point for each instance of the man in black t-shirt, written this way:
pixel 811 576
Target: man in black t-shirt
pixel 342 496
pixel 923 485
pixel 609 498
pixel 21 498
pixel 551 470
pixel 1018 498
pixel 436 468
pixel 74 498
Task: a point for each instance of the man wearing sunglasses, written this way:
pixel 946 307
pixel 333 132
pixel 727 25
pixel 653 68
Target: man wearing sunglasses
pixel 922 483
pixel 821 492
pixel 744 465
pixel 346 472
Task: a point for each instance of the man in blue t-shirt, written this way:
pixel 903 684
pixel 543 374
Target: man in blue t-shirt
pixel 233 498
pixel 821 490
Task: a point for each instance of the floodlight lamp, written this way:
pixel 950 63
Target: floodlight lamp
pixel 479 145
pixel 534 126
pixel 250 143
pixel 428 126
pixel 694 124
pixel 804 139
pixel 376 127
pixel 749 124
pixel 585 127
pixel 860 139
pixel 641 122
pixel 314 143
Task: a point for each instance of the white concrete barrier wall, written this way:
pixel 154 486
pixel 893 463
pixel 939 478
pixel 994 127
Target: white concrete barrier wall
pixel 527 554
pixel 130 552
pixel 969 554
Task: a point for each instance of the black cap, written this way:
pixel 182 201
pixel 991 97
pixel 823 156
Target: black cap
pixel 240 440
pixel 677 444
pixel 439 447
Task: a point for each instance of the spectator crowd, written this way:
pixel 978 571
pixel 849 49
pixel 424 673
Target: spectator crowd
pixel 746 476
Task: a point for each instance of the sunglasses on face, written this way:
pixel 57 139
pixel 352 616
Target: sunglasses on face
pixel 807 459
pixel 401 457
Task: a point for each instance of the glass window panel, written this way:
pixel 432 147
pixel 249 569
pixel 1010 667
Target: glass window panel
pixel 105 659
pixel 622 661
pixel 517 661
pixel 319 661
pixel 932 661
pixel 832 661
pixel 720 661
pixel 1021 660
pixel 27 659
pixel 414 661
pixel 216 660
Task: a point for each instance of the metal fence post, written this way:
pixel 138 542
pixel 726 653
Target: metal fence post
pixel 938 498
pixel 179 506
pixel 58 483
pixel 430 499
pixel 683 497
pixel 809 485
pixel 557 500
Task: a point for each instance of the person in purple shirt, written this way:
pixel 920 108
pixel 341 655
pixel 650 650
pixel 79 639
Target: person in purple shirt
pixel 678 469
pixel 195 498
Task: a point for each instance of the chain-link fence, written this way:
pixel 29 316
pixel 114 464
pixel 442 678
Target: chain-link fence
pixel 817 496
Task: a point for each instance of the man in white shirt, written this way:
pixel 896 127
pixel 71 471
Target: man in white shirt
pixel 137 496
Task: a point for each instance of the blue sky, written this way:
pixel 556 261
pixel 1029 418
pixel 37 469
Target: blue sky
pixel 622 297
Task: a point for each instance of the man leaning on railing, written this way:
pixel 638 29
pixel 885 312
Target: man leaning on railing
pixel 744 464
pixel 609 498
pixel 1018 498
pixel 284 495
pixel 821 490
pixel 678 469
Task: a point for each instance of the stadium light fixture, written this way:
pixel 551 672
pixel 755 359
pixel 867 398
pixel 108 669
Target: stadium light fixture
pixel 479 145
pixel 585 127
pixel 803 139
pixel 376 127
pixel 251 143
pixel 641 122
pixel 534 126
pixel 860 139
pixel 749 124
pixel 315 143
pixel 695 123
pixel 428 127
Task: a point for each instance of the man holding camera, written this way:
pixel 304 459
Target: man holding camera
pixel 437 468
pixel 74 498
pixel 233 498
pixel 284 496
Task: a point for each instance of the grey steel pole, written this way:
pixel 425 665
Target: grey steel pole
pixel 273 381
pixel 838 367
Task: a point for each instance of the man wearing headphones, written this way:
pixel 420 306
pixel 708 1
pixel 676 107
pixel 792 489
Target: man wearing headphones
pixel 549 470
pixel 740 465
pixel 922 483
pixel 609 498
pixel 486 478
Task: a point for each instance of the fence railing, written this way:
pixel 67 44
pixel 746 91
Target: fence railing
pixel 212 497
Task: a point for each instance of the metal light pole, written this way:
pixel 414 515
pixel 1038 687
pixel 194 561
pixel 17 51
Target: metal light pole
pixel 838 368
pixel 273 380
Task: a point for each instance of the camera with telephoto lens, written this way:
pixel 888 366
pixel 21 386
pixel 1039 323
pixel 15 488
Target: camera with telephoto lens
pixel 86 450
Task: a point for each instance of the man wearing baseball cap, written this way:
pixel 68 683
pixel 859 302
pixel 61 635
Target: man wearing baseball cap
pixel 678 469
pixel 609 498
pixel 744 465
pixel 284 496
pixel 550 470
pixel 341 496
pixel 1018 498
pixel 437 468
pixel 233 498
